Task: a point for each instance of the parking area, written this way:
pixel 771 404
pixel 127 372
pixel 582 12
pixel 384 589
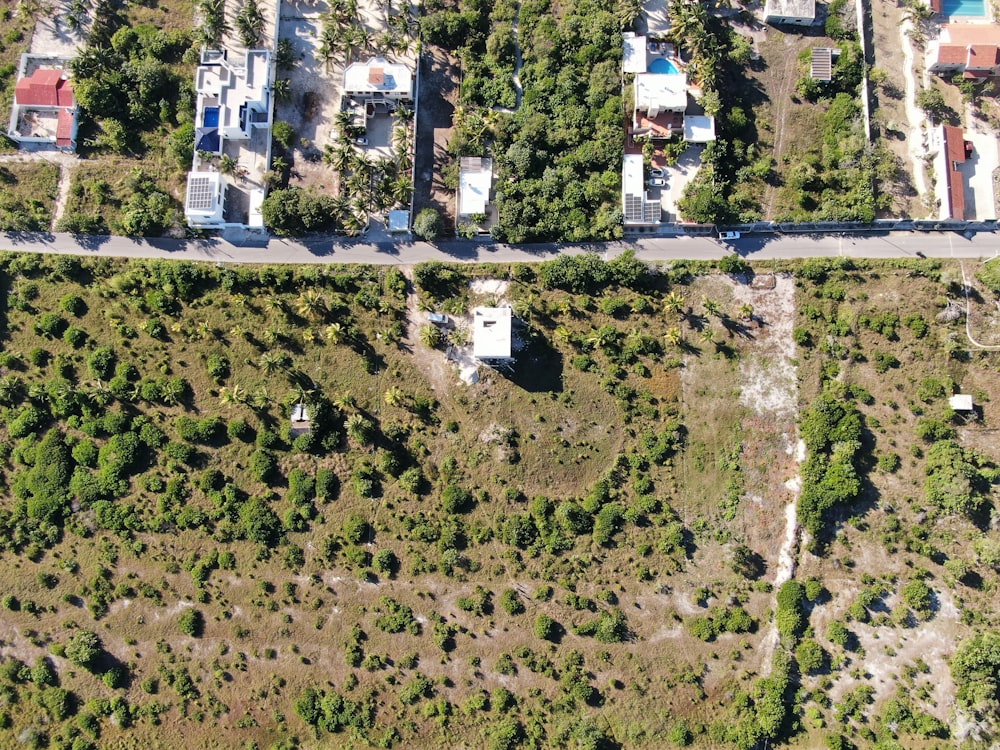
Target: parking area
pixel 677 178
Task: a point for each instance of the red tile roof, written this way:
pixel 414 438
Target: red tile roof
pixel 44 88
pixel 64 128
pixel 983 55
pixel 952 54
pixel 954 143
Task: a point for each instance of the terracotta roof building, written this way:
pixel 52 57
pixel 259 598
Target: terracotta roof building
pixel 970 49
pixel 952 152
pixel 44 112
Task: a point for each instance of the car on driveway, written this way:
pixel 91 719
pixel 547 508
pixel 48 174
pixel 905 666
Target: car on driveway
pixel 655 172
pixel 726 236
pixel 656 182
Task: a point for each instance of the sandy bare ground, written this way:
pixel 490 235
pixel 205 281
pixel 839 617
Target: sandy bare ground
pixel 52 36
pixel 769 386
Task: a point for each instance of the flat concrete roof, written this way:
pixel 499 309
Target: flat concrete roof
pixel 790 8
pixel 634 59
pixel 961 402
pixel 632 172
pixel 491 332
pixel 699 128
pixel 378 75
pixel 475 178
pixel 660 91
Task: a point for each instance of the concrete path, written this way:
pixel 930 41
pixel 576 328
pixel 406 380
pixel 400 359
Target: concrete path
pixel 341 250
pixel 916 118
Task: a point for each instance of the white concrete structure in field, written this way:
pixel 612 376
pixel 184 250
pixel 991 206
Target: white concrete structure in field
pixel 795 12
pixel 961 402
pixel 491 333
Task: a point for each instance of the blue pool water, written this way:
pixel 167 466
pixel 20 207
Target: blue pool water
pixel 211 118
pixel 964 8
pixel 662 65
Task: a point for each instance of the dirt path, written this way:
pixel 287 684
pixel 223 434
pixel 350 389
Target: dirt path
pixel 62 198
pixel 917 139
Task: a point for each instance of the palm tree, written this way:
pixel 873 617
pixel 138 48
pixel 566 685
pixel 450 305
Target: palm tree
pixel 227 164
pixel 276 304
pixel 563 334
pixel 673 336
pixel 311 304
pixel 628 11
pixel 708 336
pixel 279 164
pixel 394 397
pixel 746 311
pixel 308 335
pixel 172 391
pixel 11 389
pixel 230 396
pixel 259 399
pixel 711 306
pixel 282 89
pixel 284 54
pixel 345 401
pixel 402 189
pixel 272 362
pixel 334 333
pixel 674 303
pixel 329 46
pixel 205 330
pixel 342 156
pixel 360 429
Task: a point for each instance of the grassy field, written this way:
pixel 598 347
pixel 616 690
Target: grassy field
pixel 577 551
pixel 28 195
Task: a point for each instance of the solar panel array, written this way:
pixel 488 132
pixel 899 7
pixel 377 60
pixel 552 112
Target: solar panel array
pixel 634 208
pixel 200 194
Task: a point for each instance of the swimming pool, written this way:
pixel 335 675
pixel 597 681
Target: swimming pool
pixel 663 65
pixel 211 117
pixel 975 8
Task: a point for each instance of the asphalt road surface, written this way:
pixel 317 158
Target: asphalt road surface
pixel 341 250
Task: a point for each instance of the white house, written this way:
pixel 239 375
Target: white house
pixel 378 80
pixel 233 117
pixel 491 333
pixel 795 12
pixel 475 181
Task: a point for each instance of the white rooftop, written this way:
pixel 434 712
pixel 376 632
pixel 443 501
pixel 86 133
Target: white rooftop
pixel 699 128
pixel 491 332
pixel 475 178
pixel 659 92
pixel 204 201
pixel 804 9
pixel 961 402
pixel 632 175
pixel 378 75
pixel 634 60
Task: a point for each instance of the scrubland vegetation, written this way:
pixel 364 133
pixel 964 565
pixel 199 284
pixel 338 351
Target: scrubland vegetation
pixel 569 553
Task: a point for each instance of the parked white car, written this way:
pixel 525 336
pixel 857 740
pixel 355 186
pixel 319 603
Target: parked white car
pixel 729 235
pixel 656 182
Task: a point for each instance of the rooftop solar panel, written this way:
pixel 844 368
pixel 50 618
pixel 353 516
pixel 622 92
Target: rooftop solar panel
pixel 200 194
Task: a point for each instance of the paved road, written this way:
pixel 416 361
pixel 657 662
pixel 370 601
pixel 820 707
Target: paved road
pixel 340 250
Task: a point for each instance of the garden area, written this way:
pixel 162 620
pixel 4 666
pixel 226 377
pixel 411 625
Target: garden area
pixel 574 551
